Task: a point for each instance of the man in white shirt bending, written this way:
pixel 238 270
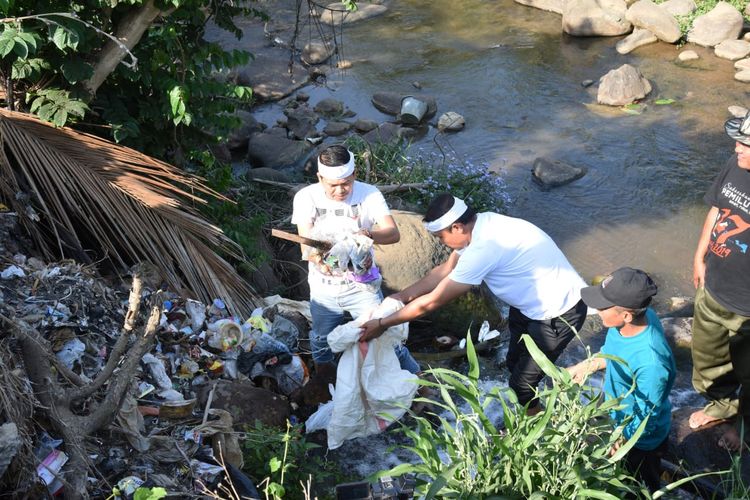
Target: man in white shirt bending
pixel 338 203
pixel 520 264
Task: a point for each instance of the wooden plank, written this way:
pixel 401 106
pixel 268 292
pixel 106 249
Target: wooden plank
pixel 322 245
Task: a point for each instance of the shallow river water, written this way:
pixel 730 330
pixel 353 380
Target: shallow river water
pixel 516 78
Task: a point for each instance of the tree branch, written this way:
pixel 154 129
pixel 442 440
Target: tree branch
pixel 134 305
pixel 129 32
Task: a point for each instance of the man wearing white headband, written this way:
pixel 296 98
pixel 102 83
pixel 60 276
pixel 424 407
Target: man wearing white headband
pixel 520 264
pixel 339 202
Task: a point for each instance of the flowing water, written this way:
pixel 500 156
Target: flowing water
pixel 516 78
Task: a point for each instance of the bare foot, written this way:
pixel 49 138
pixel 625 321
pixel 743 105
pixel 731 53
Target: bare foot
pixel 701 419
pixel 730 440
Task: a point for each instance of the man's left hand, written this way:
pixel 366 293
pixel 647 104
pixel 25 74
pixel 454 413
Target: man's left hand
pixel 371 330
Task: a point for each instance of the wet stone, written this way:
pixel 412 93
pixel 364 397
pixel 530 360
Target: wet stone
pixel 553 173
pixel 688 55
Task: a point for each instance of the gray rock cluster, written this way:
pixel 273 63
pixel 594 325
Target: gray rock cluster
pixel 645 22
pixel 295 139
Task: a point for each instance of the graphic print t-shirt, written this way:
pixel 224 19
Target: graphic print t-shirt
pixel 728 257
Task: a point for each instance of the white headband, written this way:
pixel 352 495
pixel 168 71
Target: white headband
pixel 448 218
pixel 340 172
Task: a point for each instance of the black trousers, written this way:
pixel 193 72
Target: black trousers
pixel 551 336
pixel 646 465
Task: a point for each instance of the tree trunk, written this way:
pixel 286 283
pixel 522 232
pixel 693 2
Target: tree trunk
pixel 129 31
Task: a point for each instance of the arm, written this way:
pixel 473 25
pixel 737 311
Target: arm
pixel 429 282
pixel 580 371
pixel 309 253
pixel 446 291
pixel 699 264
pixel 386 232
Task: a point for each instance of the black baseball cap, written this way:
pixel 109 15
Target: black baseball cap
pixel 739 129
pixel 626 287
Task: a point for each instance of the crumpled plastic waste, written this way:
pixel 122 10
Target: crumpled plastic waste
pixel 128 485
pixel 12 272
pixel 287 305
pixel 319 420
pixel 289 376
pixel 208 473
pixel 71 352
pixel 351 252
pixel 486 334
pixel 157 370
pixel 50 468
pixel 131 422
pixel 197 313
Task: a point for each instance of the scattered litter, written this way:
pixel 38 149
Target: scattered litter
pixel 177 409
pixel 485 334
pixel 12 272
pixel 50 468
pixel 71 352
pixel 127 485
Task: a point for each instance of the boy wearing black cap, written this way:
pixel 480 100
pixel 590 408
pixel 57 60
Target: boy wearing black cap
pixel 636 336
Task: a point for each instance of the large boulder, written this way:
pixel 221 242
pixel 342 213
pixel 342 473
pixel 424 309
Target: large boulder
pixel 723 22
pixel 555 6
pixel 647 15
pixel 622 86
pixel 638 38
pixel 247 403
pixel 412 257
pixel 595 18
pixel 553 173
pixel 679 7
pixel 336 13
pixel 275 151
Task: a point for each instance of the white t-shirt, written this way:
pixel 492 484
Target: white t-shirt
pixel 365 206
pixel 521 265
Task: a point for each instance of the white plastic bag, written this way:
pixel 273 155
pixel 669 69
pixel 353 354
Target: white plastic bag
pixel 372 390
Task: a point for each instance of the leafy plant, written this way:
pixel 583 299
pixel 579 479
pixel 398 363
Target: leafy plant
pixel 429 174
pixel 284 460
pixel 562 452
pixel 149 493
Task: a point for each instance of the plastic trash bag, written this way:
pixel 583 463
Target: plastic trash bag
pixel 372 390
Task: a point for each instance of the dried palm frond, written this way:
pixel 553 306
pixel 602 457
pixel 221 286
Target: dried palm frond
pixel 75 192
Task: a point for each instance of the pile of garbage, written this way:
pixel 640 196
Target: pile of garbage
pixel 177 427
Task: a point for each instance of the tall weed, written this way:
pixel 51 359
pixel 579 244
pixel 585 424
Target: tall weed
pixel 562 452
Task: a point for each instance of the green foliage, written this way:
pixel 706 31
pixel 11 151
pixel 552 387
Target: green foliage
pixel 177 97
pixel 391 164
pixel 703 7
pixel 283 461
pixel 56 106
pixel 149 493
pixel 562 452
